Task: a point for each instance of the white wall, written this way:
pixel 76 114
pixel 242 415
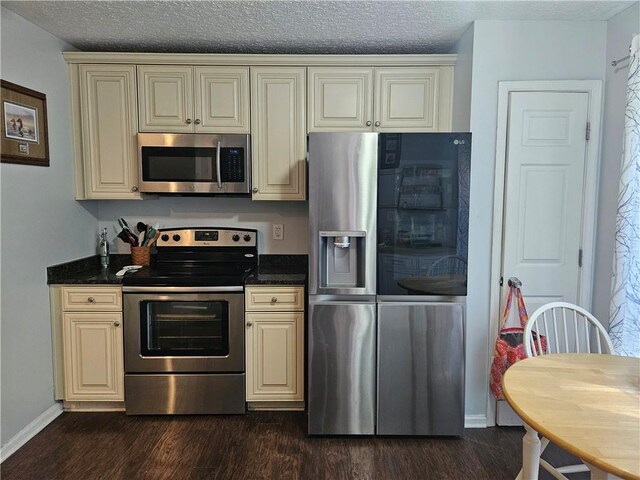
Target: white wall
pixel 509 50
pixel 462 81
pixel 215 212
pixel 620 30
pixel 41 225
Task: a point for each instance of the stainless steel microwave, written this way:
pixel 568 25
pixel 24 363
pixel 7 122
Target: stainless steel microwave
pixel 194 163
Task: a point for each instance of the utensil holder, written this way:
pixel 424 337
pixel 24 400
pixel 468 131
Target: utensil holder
pixel 141 256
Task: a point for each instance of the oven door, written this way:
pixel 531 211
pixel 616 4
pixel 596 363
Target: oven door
pixel 183 332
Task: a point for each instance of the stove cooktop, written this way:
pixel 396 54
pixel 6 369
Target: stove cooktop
pixel 201 275
pixel 200 256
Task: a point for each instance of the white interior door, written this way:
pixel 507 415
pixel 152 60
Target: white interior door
pixel 544 194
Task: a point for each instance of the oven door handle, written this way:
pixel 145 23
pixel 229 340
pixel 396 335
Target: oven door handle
pixel 218 164
pixel 132 289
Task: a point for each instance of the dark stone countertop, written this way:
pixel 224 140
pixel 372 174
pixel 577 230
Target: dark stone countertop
pixel 279 270
pixel 272 270
pixel 87 271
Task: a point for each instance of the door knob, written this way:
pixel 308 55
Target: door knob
pixel 255 190
pixel 91 300
pixel 274 299
pixel 514 282
pixel 116 324
pixel 188 121
pixel 377 124
pixel 369 123
pixel 197 122
pixel 249 324
pixel 134 189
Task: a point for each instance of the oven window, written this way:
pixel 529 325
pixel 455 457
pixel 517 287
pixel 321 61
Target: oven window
pixel 189 328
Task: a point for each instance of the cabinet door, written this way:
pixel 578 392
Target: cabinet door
pixel 275 356
pixel 413 99
pixel 108 112
pixel 222 100
pixel 279 136
pixel 340 99
pixel 165 98
pixel 93 358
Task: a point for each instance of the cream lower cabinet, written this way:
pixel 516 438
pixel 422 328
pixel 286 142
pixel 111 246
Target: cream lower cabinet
pixel 278 133
pixel 383 99
pixel 105 126
pixel 93 358
pixel 88 330
pixel 275 346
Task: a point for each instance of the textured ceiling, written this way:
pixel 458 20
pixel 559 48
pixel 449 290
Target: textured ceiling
pixel 274 26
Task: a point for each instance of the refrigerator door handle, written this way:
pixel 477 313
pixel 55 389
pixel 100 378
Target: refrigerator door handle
pixel 342 299
pixel 419 299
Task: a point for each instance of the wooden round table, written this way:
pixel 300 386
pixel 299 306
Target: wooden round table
pixel 588 404
pixel 435 285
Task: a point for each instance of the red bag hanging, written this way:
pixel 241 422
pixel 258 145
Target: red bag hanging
pixel 510 344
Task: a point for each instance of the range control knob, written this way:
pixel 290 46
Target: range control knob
pixel 165 237
pixel 235 238
pixel 176 237
pixel 247 237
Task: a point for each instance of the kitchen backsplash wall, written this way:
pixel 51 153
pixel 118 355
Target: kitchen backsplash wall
pixel 176 211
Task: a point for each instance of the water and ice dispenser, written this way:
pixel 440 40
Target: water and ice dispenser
pixel 342 257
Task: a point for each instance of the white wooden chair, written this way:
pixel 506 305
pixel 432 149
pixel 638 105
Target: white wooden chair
pixel 448 265
pixel 568 328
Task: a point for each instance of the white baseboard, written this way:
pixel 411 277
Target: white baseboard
pixel 475 421
pixel 30 431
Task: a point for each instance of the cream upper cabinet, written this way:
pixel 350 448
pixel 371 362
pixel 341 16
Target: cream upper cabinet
pixel 340 99
pixel 186 99
pixel 117 95
pixel 385 99
pixel 275 343
pixel 222 99
pixel 105 128
pixel 165 98
pixel 413 99
pixel 279 135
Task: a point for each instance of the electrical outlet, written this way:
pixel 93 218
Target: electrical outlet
pixel 278 231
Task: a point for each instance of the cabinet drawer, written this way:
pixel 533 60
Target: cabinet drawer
pixel 91 299
pixel 274 298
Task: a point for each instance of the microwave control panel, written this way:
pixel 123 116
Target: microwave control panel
pixel 232 165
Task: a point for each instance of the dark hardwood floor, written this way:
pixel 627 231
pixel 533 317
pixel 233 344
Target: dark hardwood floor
pixel 265 445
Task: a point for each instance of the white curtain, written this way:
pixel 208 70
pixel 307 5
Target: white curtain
pixel 624 320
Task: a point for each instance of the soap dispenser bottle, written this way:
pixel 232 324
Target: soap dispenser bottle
pixel 103 249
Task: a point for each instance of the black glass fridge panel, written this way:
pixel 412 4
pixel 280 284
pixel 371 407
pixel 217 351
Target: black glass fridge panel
pixel 423 213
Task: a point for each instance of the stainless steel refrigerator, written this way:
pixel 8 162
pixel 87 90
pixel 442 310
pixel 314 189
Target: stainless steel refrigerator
pixel 388 218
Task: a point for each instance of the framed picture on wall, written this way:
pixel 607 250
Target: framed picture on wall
pixel 390 146
pixel 24 126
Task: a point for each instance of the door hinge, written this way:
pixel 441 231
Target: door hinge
pixel 501 281
pixel 588 134
pixel 580 258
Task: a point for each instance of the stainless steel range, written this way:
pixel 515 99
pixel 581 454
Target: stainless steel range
pixel 184 323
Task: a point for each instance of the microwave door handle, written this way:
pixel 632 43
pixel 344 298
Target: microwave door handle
pixel 218 165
